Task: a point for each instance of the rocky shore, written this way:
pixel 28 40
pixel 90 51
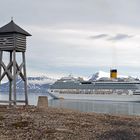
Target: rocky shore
pixel 32 123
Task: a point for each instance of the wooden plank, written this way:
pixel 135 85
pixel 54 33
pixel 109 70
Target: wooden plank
pixel 20 101
pixel 6 41
pixel 21 39
pixel 21 42
pixel 6 38
pixel 20 50
pixel 21 46
pixel 4 101
pixel 10 102
pixel 20 36
pixel 6 45
pixel 6 49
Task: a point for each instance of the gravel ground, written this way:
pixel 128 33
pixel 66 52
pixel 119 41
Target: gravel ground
pixel 31 123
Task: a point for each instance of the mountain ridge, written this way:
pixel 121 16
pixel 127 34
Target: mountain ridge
pixel 34 84
pixel 42 83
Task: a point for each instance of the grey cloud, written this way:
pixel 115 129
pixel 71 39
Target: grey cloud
pixel 48 12
pixel 112 38
pixel 120 37
pixel 98 36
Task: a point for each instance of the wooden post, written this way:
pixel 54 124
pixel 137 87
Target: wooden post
pixel 10 82
pixel 25 78
pixel 0 64
pixel 14 76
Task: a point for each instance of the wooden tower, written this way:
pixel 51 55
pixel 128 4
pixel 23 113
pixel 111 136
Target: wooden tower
pixel 13 41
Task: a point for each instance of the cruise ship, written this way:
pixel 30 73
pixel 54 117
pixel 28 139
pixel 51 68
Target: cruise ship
pixel 104 89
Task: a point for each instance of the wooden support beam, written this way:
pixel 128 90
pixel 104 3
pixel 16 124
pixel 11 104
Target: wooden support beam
pixel 0 64
pixel 10 81
pixel 4 101
pixel 14 76
pixel 19 71
pixel 7 71
pixel 12 70
pixel 10 102
pixel 25 82
pixel 21 101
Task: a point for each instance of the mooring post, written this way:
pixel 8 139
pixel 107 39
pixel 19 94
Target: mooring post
pixel 42 102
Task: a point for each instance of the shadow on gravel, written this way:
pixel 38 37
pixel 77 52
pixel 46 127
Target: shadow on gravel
pixel 119 135
pixel 20 124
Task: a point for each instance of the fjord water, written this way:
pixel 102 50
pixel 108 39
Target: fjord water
pixel 118 108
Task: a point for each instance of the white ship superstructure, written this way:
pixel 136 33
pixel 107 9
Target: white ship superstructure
pixel 111 89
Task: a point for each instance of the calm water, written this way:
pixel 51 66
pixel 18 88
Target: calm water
pixel 127 108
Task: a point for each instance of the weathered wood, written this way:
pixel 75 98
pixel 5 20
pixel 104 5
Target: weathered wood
pixel 10 102
pixel 10 82
pixel 0 64
pixel 19 71
pixel 25 82
pixel 6 71
pixel 6 41
pixel 5 101
pixel 8 49
pixel 20 43
pixel 20 101
pixel 13 41
pixel 14 75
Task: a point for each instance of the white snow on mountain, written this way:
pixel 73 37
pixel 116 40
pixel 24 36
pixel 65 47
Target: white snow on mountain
pixel 101 74
pixel 40 80
pixel 43 83
pixel 35 84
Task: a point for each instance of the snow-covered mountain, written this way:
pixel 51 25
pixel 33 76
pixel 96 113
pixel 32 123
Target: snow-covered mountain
pixel 98 75
pixel 101 74
pixel 42 83
pixel 35 84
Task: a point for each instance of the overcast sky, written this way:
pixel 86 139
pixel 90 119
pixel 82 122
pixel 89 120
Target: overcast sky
pixel 78 36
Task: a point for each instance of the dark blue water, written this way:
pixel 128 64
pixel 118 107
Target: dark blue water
pixel 118 108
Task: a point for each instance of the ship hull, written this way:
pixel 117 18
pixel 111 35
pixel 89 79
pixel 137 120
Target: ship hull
pixel 105 97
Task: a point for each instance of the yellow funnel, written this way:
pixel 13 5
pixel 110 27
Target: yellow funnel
pixel 113 73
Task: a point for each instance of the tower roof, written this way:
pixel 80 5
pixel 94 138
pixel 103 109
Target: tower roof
pixel 11 27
